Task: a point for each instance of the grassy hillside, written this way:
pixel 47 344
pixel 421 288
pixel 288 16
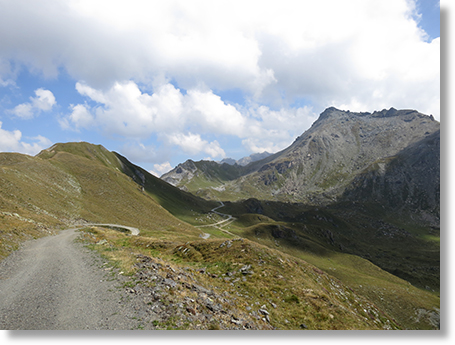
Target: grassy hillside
pixel 399 245
pixel 79 182
pixel 264 285
pixel 353 255
pixel 181 204
pixel 27 199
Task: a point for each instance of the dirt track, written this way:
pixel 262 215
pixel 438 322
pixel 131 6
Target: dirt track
pixel 221 224
pixel 55 283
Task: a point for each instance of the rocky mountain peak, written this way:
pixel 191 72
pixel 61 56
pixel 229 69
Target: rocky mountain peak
pixel 329 112
pixel 394 112
pixel 334 113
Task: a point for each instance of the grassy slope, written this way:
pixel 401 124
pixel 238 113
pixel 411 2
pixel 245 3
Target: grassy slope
pixel 397 244
pixel 295 293
pixel 77 182
pixel 27 200
pixel 312 236
pixel 181 204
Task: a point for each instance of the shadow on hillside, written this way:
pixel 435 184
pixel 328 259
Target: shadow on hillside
pixel 396 243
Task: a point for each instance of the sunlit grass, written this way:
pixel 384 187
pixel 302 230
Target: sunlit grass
pixel 295 294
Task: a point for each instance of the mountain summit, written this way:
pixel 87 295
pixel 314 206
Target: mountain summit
pixel 325 159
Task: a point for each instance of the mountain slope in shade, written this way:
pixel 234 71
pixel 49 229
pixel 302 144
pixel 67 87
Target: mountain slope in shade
pixel 408 182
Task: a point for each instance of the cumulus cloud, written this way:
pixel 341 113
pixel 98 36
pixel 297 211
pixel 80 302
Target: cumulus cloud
pixel 211 113
pixel 193 144
pixel 80 117
pixel 125 110
pixel 356 58
pixel 44 101
pixel 327 52
pixel 10 141
pixel 137 152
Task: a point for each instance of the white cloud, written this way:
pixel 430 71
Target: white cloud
pixel 211 113
pixel 273 130
pixel 24 111
pixel 259 146
pixel 80 117
pixel 160 169
pixel 138 152
pixel 326 51
pixel 10 141
pixel 44 101
pixel 124 109
pixel 193 144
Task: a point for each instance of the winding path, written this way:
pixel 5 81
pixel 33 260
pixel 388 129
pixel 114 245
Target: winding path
pixel 134 231
pixel 219 225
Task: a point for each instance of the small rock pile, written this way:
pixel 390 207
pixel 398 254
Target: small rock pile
pixel 172 298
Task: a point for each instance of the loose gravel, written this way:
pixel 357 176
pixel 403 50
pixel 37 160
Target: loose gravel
pixel 55 283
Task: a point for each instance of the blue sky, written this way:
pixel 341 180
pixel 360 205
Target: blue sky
pixel 162 82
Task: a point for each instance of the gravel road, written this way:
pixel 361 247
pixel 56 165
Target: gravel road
pixel 55 283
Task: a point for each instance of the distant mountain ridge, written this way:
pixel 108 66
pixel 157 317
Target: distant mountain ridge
pixel 192 175
pixel 246 160
pixel 323 163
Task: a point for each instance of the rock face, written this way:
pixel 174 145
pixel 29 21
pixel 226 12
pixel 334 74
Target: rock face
pixel 409 181
pixel 182 173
